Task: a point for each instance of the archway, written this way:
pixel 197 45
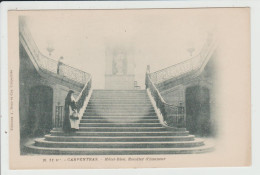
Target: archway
pixel 40 110
pixel 198 110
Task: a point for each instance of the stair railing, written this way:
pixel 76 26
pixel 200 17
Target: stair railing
pixel 81 99
pixel 189 66
pixel 81 102
pixel 58 121
pixel 49 65
pixel 173 116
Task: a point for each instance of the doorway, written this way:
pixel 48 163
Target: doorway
pixel 40 110
pixel 198 110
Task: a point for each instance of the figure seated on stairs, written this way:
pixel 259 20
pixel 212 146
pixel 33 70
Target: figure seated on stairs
pixel 71 120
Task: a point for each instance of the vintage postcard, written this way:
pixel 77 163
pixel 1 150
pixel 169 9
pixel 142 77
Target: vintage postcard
pixel 129 88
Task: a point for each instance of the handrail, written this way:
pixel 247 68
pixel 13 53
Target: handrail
pixel 188 66
pixel 83 94
pixel 81 101
pixel 80 104
pixel 65 70
pixel 173 116
pixel 47 64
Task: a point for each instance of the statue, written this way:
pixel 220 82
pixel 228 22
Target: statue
pixel 119 68
pixel 119 64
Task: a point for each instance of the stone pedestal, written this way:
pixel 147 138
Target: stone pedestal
pixel 119 82
pixel 119 69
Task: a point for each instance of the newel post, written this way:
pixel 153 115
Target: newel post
pixel 146 76
pixel 148 69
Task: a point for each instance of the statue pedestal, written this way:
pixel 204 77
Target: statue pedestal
pixel 119 82
pixel 120 68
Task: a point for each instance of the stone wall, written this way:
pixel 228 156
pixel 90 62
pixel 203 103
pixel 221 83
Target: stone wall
pixel 175 95
pixel 175 92
pixel 29 77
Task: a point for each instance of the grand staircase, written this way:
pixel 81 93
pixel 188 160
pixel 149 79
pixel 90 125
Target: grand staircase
pixel 119 122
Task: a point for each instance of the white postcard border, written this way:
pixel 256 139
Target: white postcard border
pixel 255 57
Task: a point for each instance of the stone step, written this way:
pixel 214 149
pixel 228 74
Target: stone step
pixel 88 120
pixel 167 144
pixel 120 134
pixel 117 151
pixel 118 102
pixel 121 106
pixel 103 102
pixel 118 139
pixel 122 129
pixel 119 90
pixel 115 117
pixel 115 113
pixel 145 100
pixel 119 124
pixel 97 109
pixel 99 91
pixel 130 107
pixel 119 112
pixel 120 97
pixel 119 94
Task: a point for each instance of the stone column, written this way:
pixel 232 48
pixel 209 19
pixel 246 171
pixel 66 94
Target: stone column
pixel 183 90
pixel 55 102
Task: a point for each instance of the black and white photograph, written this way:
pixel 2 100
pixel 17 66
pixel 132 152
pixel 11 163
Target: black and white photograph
pixel 130 88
